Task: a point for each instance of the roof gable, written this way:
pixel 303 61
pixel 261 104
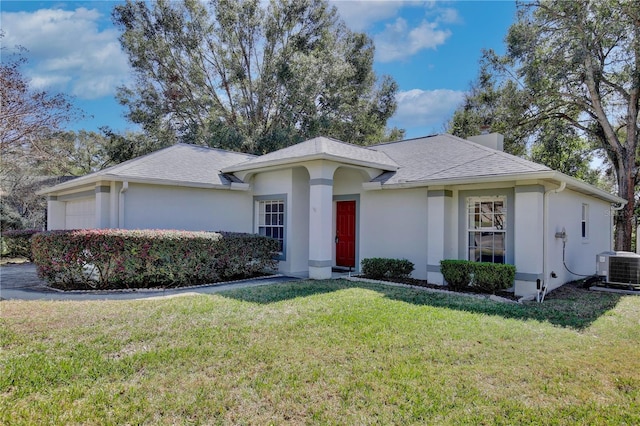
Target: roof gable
pixel 180 164
pixel 319 148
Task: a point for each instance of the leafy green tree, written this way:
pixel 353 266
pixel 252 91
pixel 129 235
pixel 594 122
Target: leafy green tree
pixel 569 65
pixel 580 62
pixel 27 114
pixel 496 104
pixel 559 146
pixel 242 75
pixel 122 147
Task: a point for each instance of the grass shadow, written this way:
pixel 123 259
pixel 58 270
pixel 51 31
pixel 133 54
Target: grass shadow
pixel 569 306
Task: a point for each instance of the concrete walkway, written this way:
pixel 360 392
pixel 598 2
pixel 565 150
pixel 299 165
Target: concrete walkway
pixel 21 282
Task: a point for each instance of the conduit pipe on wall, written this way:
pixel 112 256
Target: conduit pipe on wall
pixel 545 241
pixel 125 187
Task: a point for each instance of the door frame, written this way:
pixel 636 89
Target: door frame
pixel 348 197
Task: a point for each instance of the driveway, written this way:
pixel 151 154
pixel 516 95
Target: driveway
pixel 21 282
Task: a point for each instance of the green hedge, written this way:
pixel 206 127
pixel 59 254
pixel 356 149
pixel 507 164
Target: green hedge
pixel 457 273
pixel 108 259
pixel 18 243
pixel 379 268
pixel 480 276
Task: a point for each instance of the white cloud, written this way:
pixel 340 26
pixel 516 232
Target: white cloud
pixel 398 41
pixel 68 51
pixel 426 108
pixel 360 15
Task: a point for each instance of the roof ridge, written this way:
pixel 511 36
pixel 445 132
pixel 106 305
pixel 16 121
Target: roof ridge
pixel 210 148
pixel 410 139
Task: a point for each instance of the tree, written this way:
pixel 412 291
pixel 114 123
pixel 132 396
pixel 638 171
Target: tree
pixel 123 147
pixel 501 105
pixel 580 62
pixel 558 145
pixel 495 104
pixel 240 75
pixel 26 114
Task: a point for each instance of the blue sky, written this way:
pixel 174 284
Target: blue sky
pixel 430 48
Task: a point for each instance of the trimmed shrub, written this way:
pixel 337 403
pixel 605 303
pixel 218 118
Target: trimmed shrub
pixel 18 243
pixel 457 273
pixel 106 258
pixel 480 276
pixel 379 268
pixel 492 277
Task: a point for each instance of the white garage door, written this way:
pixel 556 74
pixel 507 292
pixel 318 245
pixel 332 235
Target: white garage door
pixel 80 214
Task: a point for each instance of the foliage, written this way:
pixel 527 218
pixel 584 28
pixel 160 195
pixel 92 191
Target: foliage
pixel 17 243
pixel 500 105
pixel 102 259
pixel 378 268
pixel 9 219
pixel 496 105
pixel 482 276
pixel 559 147
pixel 249 76
pixel 457 273
pixel 492 277
pixel 123 147
pixel 70 153
pixel 26 114
pixel 580 62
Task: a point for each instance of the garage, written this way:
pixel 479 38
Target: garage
pixel 80 214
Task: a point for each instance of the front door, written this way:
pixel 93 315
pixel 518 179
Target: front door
pixel 346 233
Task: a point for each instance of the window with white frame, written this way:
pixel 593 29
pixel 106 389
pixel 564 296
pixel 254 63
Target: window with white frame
pixel 487 229
pixel 584 224
pixel 270 220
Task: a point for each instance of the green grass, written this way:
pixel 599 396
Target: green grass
pixel 329 352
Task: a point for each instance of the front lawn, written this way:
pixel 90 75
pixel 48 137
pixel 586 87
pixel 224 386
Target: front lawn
pixel 329 352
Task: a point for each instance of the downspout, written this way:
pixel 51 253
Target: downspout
pixel 545 241
pixel 125 187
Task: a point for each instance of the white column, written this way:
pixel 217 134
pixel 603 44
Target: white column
pixel 528 246
pixel 56 212
pixel 439 232
pixel 321 238
pixel 113 206
pixel 103 206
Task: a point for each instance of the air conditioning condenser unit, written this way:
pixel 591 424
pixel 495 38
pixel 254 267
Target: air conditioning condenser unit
pixel 619 269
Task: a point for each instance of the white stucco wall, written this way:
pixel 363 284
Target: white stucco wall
pixel 279 183
pixel 299 222
pixel 393 223
pixel 528 237
pixel 565 211
pixel 191 209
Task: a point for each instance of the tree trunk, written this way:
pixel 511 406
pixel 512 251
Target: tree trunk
pixel 623 219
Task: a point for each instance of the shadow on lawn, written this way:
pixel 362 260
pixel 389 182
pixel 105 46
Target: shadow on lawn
pixel 568 306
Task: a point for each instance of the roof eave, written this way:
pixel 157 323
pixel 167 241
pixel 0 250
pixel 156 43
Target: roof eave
pixel 552 175
pixel 132 179
pixel 270 164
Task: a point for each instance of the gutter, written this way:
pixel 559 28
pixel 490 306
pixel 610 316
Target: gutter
pixel 550 175
pixel 72 184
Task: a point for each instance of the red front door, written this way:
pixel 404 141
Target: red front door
pixel 346 233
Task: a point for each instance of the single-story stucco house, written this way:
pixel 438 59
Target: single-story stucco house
pixel 332 204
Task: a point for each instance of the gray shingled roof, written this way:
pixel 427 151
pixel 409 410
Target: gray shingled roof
pixel 181 163
pixel 442 157
pixel 320 147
